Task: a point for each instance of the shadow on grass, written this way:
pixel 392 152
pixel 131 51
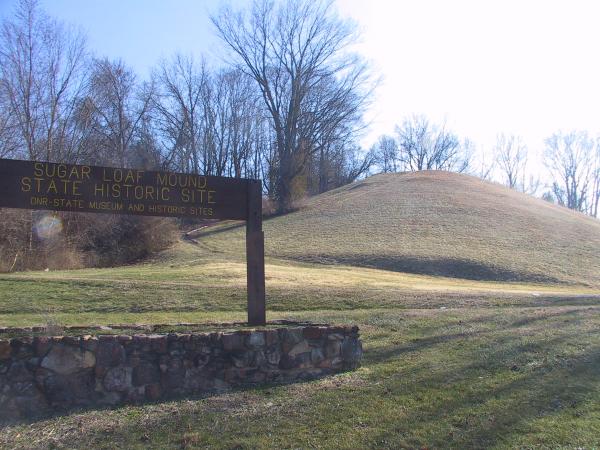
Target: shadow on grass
pixel 49 414
pixel 508 382
pixel 485 416
pixel 445 267
pixel 497 335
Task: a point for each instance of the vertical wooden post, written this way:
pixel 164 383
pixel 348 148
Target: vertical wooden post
pixel 255 255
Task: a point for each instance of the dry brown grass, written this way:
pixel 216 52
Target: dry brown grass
pixel 436 223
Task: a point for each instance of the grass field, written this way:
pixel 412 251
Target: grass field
pixel 448 362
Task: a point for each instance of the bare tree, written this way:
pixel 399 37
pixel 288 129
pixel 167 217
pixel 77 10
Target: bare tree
pixel 482 163
pixel 119 109
pixel 292 49
pixel 426 146
pixel 42 74
pixel 595 188
pixel 511 159
pixel 217 98
pixel 245 112
pixel 386 156
pixel 9 142
pixel 179 111
pixel 569 158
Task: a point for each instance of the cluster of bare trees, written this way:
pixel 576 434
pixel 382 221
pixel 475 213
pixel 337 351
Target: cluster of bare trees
pixel 419 144
pixel 286 110
pixel 312 88
pixel 41 79
pixel 572 161
pixel 512 165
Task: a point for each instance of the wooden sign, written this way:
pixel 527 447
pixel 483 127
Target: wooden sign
pixel 84 188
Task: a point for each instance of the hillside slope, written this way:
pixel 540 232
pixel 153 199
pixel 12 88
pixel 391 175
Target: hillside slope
pixel 437 223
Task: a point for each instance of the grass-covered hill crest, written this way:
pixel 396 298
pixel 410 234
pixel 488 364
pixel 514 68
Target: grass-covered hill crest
pixel 438 223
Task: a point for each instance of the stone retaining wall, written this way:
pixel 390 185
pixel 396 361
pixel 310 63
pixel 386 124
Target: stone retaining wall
pixel 41 374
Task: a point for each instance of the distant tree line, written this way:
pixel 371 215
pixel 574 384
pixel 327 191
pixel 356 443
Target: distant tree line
pixel 420 144
pixel 571 160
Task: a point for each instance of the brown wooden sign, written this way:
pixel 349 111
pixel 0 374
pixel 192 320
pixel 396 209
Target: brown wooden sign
pixel 85 188
pixel 82 188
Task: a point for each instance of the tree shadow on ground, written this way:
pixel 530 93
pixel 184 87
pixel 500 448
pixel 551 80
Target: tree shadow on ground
pixel 528 384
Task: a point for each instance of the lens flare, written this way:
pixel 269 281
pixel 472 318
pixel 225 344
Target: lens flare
pixel 48 227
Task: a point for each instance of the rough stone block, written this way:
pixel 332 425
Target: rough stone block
pixel 303 361
pixel 153 391
pixel 301 347
pixel 342 330
pixel 351 349
pixel 64 359
pixel 256 339
pixel 142 342
pixel 232 374
pixel 90 343
pixel 333 348
pixel 242 359
pixel 41 345
pixel 313 332
pixel 21 348
pixel 110 353
pixel 71 340
pixel 325 364
pixel 201 360
pixel 336 363
pixel 146 373
pixel 316 355
pixel 124 339
pixel 273 357
pixel 18 372
pixel 136 394
pixel 335 337
pixel 271 337
pixel 221 385
pixel 67 390
pixel 110 398
pixel 259 359
pixel 5 350
pixel 293 335
pixel 175 378
pixel 257 377
pixel 118 379
pixel 286 362
pixel 232 342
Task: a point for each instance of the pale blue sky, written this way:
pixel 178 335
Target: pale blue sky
pixel 484 66
pixel 138 31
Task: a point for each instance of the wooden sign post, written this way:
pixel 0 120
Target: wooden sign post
pixel 84 188
pixel 255 255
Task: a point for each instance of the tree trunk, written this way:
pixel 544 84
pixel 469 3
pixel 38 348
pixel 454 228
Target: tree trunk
pixel 284 184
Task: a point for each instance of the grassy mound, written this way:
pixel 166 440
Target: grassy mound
pixel 435 223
